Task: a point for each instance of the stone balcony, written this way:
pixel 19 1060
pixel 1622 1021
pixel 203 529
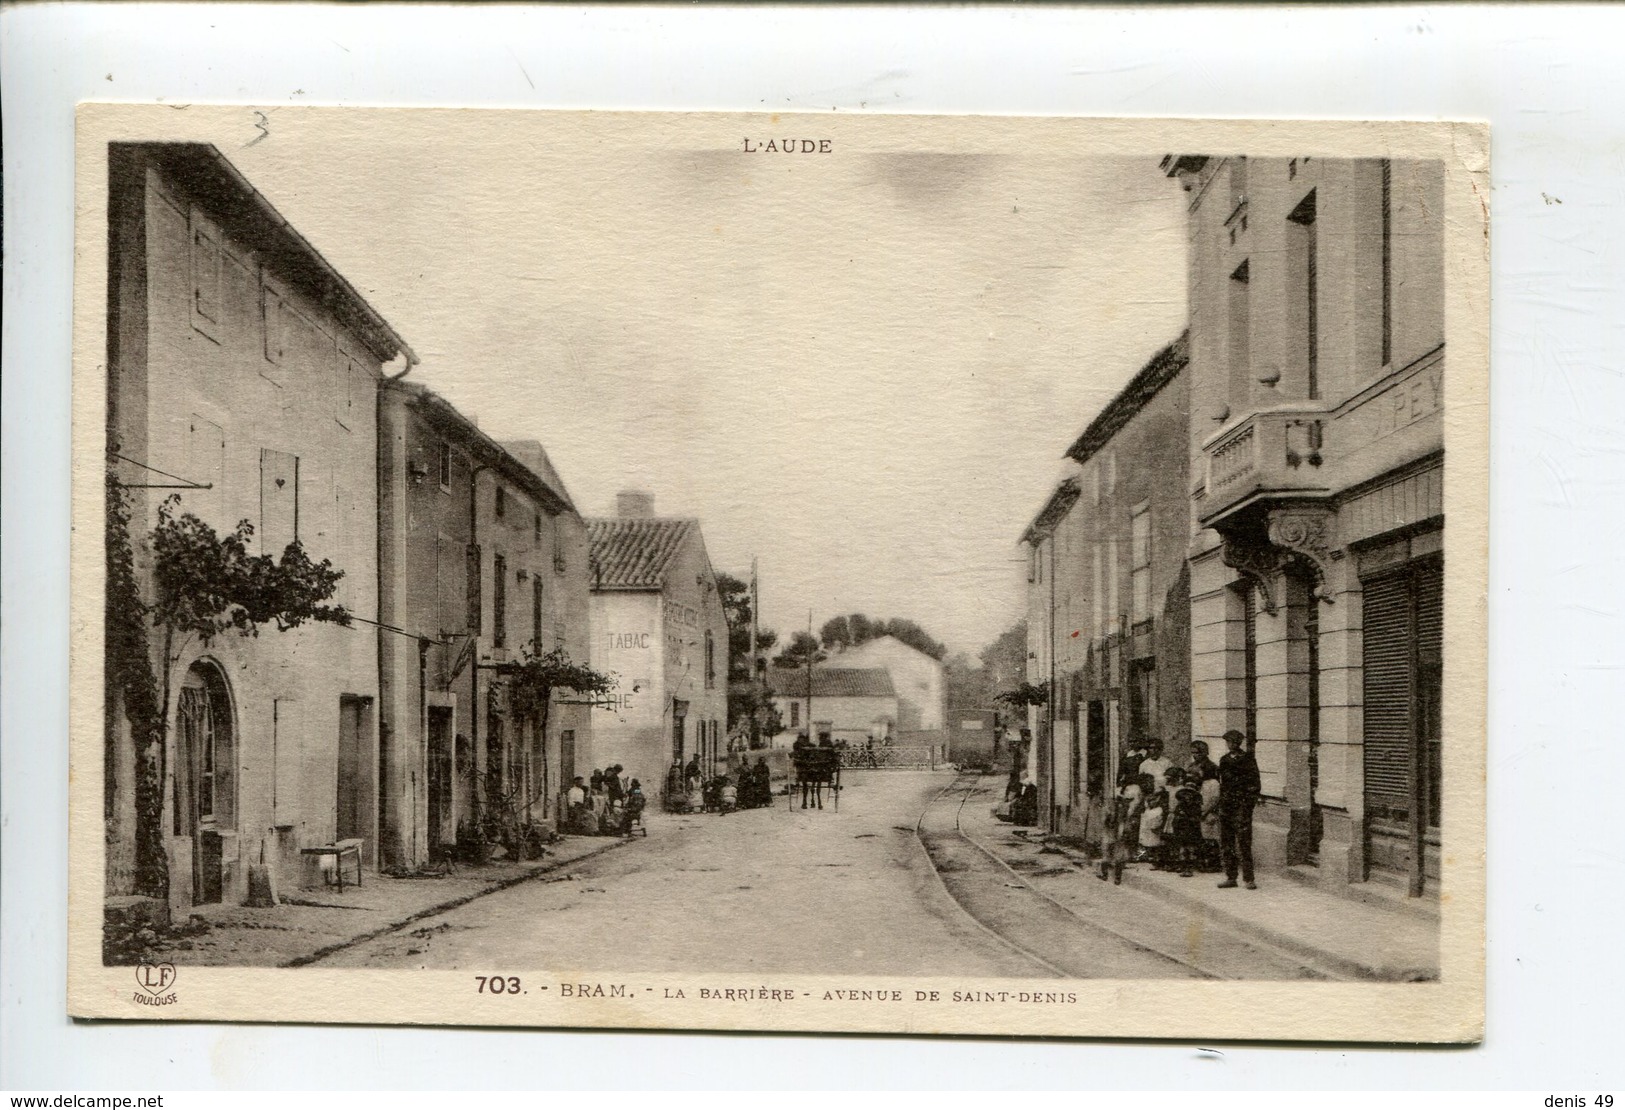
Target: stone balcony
pixel 1267 455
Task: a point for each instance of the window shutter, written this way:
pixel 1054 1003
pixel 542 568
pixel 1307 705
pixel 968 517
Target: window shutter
pixel 472 573
pixel 279 501
pixel 499 601
pixel 205 276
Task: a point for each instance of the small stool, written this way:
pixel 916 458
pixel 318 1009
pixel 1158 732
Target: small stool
pixel 338 851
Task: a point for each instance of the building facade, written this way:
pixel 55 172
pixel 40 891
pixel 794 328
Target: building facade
pixel 482 559
pixel 921 685
pixel 658 623
pixel 1316 453
pixel 1108 597
pixel 242 380
pixel 857 705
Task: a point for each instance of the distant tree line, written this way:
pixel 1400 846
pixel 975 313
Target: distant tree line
pixel 850 631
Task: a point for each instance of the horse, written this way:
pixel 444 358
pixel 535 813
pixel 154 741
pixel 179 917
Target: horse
pixel 814 767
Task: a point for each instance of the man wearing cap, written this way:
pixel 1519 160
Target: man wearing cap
pixel 1238 793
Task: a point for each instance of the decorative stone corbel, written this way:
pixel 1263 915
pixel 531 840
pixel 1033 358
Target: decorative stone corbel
pixel 1306 533
pixel 1258 562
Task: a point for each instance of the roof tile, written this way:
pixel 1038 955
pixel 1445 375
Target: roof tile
pixel 634 553
pixel 832 682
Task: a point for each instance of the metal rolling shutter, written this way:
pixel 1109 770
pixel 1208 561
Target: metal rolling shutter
pixel 1430 613
pixel 1387 671
pixel 1429 579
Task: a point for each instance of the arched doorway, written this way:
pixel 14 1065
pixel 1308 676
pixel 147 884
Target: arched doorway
pixel 205 786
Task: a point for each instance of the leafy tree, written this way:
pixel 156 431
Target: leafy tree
pixel 205 585
pixel 1025 694
pixel 863 629
pixel 915 637
pixel 836 633
pixel 1005 659
pixel 800 648
pixel 532 682
pixel 750 702
pixel 966 682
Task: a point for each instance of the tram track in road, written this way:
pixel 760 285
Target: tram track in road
pixel 1009 907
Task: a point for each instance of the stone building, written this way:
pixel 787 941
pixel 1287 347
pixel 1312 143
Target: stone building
pixel 1316 453
pixel 1108 596
pixel 658 623
pixel 242 379
pixel 482 557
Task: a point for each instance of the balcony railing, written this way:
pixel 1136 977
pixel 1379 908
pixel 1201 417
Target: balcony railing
pixel 1276 451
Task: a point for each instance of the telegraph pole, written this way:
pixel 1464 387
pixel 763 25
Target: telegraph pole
pixel 755 659
pixel 812 652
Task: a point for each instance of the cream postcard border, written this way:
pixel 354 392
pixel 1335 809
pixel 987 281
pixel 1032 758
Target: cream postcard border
pixel 1449 1010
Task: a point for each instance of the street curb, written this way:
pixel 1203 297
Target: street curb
pixel 1347 966
pixel 450 904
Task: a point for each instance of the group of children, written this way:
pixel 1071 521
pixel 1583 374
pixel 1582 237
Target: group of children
pixel 1164 815
pixel 607 806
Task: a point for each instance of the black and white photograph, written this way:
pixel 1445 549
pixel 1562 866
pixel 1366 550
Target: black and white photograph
pixel 782 571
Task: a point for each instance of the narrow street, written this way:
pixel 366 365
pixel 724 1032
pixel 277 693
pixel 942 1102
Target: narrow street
pixel 844 892
pixel 890 883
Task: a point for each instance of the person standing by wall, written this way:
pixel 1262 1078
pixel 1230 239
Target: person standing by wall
pixel 1238 792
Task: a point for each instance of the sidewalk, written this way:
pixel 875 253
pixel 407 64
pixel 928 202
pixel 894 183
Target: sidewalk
pixel 1341 935
pixel 310 924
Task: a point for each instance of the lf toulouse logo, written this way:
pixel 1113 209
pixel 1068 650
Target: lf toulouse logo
pixel 155 979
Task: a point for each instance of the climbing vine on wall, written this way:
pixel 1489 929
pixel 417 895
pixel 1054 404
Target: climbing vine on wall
pixel 204 585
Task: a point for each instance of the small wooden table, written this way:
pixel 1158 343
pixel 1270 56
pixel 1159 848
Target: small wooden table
pixel 338 852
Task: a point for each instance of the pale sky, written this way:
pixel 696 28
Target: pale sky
pixel 861 367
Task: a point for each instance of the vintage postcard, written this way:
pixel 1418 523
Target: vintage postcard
pixel 853 573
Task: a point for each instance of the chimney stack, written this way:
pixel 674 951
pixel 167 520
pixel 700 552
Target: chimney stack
pixel 634 504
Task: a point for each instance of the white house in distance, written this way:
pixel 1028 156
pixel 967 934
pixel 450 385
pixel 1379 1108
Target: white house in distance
pixel 848 703
pixel 922 699
pixel 657 622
